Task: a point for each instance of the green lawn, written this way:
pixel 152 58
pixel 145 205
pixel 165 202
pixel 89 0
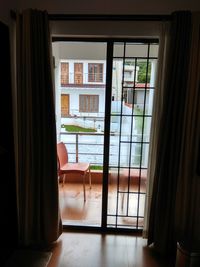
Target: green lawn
pixel 74 128
pixel 96 167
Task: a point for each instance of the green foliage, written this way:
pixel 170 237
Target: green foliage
pixel 74 128
pixel 138 120
pixel 142 72
pixel 96 167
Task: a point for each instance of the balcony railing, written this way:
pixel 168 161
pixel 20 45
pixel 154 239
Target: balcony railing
pixel 83 78
pixel 84 147
pixel 89 147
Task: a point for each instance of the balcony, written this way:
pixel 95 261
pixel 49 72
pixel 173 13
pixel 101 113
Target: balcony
pixel 84 79
pixel 88 147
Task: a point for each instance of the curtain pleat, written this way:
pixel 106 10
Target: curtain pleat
pixel 156 117
pixel 188 182
pixel 162 212
pixel 37 185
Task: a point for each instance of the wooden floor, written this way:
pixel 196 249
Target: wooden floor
pixel 98 250
pixel 79 249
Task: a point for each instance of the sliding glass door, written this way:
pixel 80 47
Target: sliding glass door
pixel 104 102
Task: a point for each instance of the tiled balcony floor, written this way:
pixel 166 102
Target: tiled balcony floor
pixel 74 211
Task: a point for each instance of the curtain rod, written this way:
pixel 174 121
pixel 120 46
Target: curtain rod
pixel 99 17
pixel 109 17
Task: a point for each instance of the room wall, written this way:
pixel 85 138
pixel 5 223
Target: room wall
pixel 5 7
pixel 98 7
pixel 8 206
pixel 111 6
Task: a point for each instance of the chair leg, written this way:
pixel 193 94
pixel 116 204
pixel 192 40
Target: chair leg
pixel 122 202
pixel 90 179
pixel 63 179
pixel 84 187
pixel 123 187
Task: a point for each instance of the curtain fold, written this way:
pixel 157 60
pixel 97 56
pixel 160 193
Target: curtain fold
pixel 37 185
pixel 188 182
pixel 161 231
pixel 156 117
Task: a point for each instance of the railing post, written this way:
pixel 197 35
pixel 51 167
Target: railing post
pixel 76 147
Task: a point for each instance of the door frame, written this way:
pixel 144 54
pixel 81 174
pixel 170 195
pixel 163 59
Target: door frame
pixel 108 97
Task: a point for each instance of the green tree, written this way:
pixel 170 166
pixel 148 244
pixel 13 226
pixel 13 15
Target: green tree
pixel 142 72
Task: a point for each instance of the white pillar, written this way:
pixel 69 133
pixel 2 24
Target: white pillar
pixel 152 84
pixel 57 98
pixel 150 104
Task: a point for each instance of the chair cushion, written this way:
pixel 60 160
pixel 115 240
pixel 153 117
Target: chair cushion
pixel 80 167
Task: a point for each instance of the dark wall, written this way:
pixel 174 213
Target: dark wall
pixel 110 7
pixel 8 207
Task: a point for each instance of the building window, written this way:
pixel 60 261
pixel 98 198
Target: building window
pixel 64 74
pixel 88 103
pixel 95 72
pixel 78 73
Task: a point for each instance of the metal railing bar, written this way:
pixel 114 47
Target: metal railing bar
pixel 135 142
pixel 126 167
pixel 124 216
pixel 129 115
pixel 132 192
pixel 134 57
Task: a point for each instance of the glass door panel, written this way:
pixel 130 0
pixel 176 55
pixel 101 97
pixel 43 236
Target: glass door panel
pixel 133 85
pixel 80 80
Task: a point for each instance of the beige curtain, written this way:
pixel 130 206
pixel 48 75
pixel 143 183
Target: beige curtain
pixel 187 208
pixel 188 185
pixel 37 185
pixel 156 117
pixel 161 231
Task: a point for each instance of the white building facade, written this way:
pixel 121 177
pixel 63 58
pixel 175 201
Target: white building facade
pixel 82 82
